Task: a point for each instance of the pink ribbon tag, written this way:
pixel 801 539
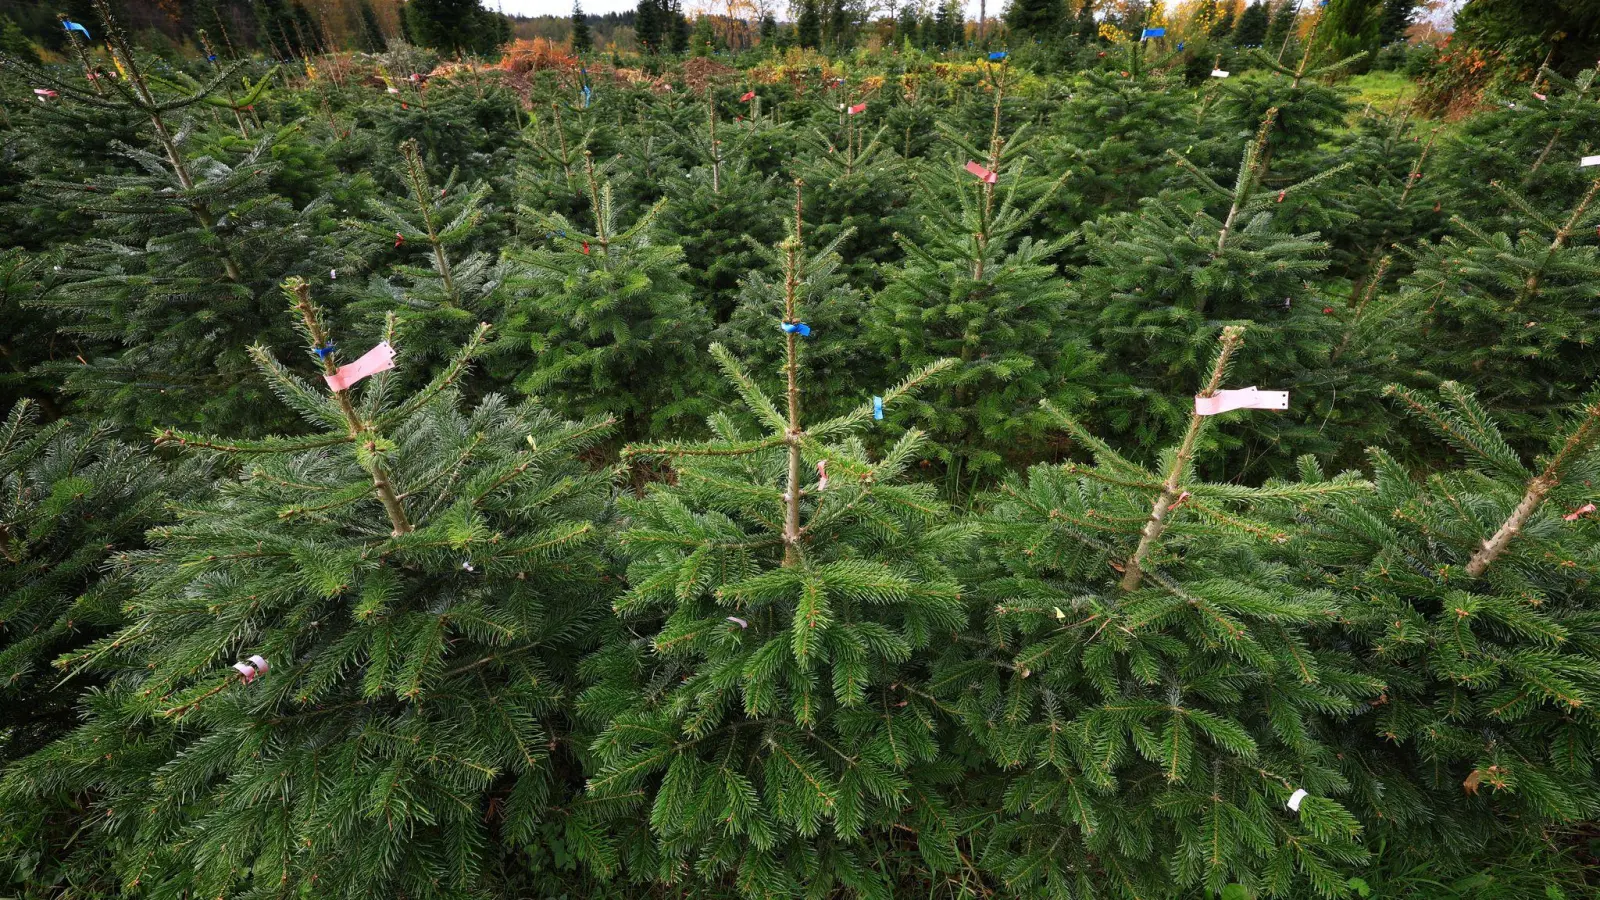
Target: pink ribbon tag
pixel 1243 398
pixel 245 670
pixel 45 94
pixel 858 108
pixel 260 664
pixel 748 96
pixel 378 359
pixel 738 621
pixel 1580 512
pixel 984 175
pixel 1540 96
pixel 822 474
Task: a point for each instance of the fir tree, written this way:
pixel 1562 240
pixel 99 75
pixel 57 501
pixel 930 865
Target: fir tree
pixel 1143 676
pixel 975 288
pixel 1512 314
pixel 949 24
pixel 776 697
pixel 1161 281
pixel 582 40
pixel 1467 595
pixel 648 26
pixel 1281 28
pixel 677 28
pixel 1396 18
pixel 439 303
pixel 1251 29
pixel 1033 17
pixel 407 589
pixel 72 497
pixel 721 210
pixel 606 316
pixel 905 24
pixel 704 40
pixel 184 248
pixel 809 24
pixel 371 31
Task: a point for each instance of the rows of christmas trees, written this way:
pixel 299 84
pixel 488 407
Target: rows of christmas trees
pixel 793 482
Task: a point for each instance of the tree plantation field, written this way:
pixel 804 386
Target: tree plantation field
pixel 893 474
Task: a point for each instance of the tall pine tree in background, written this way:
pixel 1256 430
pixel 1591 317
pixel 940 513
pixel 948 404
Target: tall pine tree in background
pixel 582 40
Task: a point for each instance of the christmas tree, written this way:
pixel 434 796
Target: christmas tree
pixel 1466 592
pixel 975 288
pixel 406 590
pixel 170 282
pixel 774 693
pixel 1512 314
pixel 606 316
pixel 1144 679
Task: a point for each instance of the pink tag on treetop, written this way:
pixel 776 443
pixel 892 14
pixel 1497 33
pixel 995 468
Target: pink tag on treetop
pixel 378 359
pixel 858 108
pixel 1580 512
pixel 246 670
pixel 748 96
pixel 1243 398
pixel 983 174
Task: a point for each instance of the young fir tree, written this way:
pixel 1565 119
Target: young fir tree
pixel 858 187
pixel 973 287
pixel 1160 283
pixel 771 721
pixel 440 302
pixel 582 40
pixel 172 278
pixel 1469 593
pixel 551 161
pixel 1144 680
pixel 1105 133
pixel 1513 315
pixel 1532 144
pixel 841 362
pixel 606 316
pixel 1389 201
pixel 417 581
pixel 70 498
pixel 721 210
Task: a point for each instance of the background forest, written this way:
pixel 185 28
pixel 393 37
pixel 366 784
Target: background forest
pixel 817 458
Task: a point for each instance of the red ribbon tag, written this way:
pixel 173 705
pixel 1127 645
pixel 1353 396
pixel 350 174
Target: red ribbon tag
pixel 984 175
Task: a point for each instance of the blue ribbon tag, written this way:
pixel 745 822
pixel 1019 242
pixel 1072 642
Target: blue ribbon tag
pixel 322 352
pixel 997 56
pixel 212 58
pixel 1161 32
pixel 1181 43
pixel 877 407
pixel 70 25
pixel 799 328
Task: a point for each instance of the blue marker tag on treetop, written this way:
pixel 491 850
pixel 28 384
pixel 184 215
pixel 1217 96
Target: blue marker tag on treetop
pixel 70 25
pixel 799 328
pixel 1153 33
pixel 322 352
pixel 212 58
pixel 877 407
pixel 997 56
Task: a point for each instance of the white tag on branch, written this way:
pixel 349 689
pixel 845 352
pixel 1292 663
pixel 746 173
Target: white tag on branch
pixel 1295 798
pixel 1218 73
pixel 1243 398
pixel 1588 161
pixel 822 474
